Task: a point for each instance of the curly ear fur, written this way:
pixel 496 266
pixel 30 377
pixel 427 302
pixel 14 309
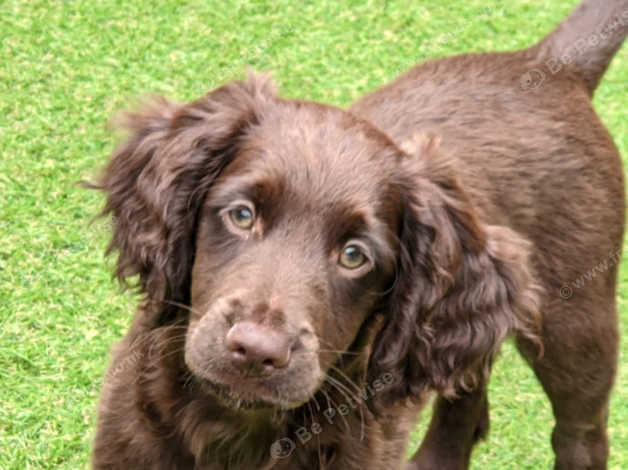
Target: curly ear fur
pixel 156 181
pixel 462 287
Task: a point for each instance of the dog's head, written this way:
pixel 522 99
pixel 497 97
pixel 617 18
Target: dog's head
pixel 302 239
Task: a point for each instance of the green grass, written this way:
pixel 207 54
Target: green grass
pixel 68 65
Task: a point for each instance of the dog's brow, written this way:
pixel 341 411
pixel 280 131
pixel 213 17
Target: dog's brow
pixel 260 190
pixel 349 220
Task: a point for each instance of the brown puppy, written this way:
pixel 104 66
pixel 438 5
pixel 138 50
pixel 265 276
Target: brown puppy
pixel 310 273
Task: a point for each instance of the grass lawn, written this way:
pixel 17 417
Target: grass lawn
pixel 67 66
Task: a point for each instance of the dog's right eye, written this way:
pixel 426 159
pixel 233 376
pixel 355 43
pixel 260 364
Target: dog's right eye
pixel 242 217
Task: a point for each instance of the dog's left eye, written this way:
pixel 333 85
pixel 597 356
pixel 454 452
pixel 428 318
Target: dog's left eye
pixel 352 257
pixel 242 217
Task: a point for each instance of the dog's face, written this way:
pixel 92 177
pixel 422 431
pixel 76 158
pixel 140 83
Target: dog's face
pixel 285 228
pixel 295 246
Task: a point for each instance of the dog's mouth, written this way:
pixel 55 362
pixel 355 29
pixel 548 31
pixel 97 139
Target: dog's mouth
pixel 230 398
pixel 252 394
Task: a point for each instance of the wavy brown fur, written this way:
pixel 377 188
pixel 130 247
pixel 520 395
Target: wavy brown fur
pixel 467 238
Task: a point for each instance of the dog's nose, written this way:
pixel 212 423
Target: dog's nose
pixel 257 347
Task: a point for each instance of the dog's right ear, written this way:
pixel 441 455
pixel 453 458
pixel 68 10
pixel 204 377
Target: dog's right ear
pixel 156 181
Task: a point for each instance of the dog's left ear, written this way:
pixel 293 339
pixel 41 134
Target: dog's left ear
pixel 462 285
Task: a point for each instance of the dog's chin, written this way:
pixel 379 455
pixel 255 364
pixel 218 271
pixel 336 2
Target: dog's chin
pixel 247 397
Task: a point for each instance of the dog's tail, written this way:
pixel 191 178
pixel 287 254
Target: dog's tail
pixel 587 40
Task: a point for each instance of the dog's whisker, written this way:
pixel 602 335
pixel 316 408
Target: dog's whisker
pixel 346 397
pixel 352 394
pixel 339 351
pixel 183 306
pixel 346 377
